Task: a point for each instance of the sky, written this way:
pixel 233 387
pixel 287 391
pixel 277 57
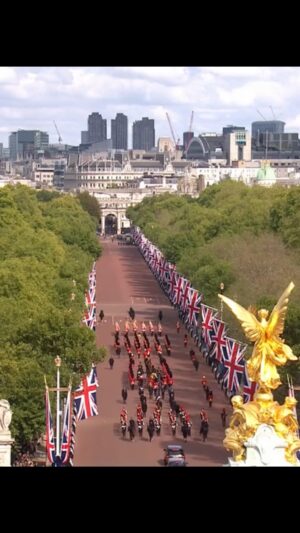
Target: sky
pixel 33 97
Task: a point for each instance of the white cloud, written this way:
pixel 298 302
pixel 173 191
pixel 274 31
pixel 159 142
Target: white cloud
pixel 7 75
pixel 32 97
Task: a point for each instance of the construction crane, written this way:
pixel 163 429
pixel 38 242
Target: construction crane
pixel 190 131
pixel 261 114
pixel 59 136
pixel 272 112
pixel 172 133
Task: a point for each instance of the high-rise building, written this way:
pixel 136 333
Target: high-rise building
pixel 119 132
pixel 237 146
pixel 143 134
pixel 231 129
pixel 270 126
pixel 26 143
pixel 97 128
pixel 1 150
pixel 187 136
pixel 84 137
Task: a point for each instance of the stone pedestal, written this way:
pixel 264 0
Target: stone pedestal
pixel 265 448
pixel 5 448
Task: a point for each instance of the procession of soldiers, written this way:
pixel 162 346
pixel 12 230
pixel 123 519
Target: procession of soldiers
pixel 150 377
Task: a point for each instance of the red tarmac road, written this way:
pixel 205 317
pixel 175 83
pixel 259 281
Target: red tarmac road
pixel 124 280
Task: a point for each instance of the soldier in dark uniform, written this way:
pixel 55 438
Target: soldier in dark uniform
pixel 124 394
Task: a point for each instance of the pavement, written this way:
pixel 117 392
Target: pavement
pixel 124 280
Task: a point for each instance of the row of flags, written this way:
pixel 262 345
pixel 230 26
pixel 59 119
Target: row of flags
pixel 89 317
pixel 204 321
pixel 80 404
pixel 83 403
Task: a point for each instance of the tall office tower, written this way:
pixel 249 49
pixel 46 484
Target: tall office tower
pixel 97 128
pixel 187 136
pixel 119 132
pixel 237 146
pixel 270 126
pixel 143 134
pixel 26 143
pixel 84 137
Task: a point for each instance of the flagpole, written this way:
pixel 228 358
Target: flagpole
pixel 222 287
pixel 57 363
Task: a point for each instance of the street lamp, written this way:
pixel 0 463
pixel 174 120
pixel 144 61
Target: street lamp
pixel 222 287
pixel 57 361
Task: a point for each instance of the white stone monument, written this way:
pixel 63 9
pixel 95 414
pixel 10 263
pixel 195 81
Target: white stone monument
pixel 5 435
pixel 265 448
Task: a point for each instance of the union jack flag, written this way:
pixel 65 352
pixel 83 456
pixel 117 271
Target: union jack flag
pixel 250 387
pixel 185 294
pixel 50 445
pixel 233 360
pixel 72 442
pixel 208 314
pixel 218 339
pixel 172 284
pixel 66 436
pixel 193 306
pixel 85 396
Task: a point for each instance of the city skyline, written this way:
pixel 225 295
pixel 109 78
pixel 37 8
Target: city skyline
pixel 33 97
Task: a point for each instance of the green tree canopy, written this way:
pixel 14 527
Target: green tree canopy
pixel 46 241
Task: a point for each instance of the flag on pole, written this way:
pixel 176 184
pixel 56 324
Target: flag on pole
pixel 50 444
pixel 66 437
pixel 85 396
pixel 73 431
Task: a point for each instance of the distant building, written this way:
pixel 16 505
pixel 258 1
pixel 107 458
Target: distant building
pixel 280 142
pixel 237 146
pixel 43 174
pixel 84 137
pixel 205 147
pixel 187 136
pixel 143 134
pixel 232 129
pixel 24 144
pixel 119 132
pixel 165 144
pixel 96 147
pixel 1 150
pixel 265 175
pixel 97 128
pixel 197 149
pixel 263 126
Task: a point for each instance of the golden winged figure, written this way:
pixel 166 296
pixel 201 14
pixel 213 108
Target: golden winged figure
pixel 269 350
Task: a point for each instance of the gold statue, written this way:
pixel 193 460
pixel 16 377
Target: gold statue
pixel 269 350
pixel 243 424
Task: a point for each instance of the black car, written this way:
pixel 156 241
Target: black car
pixel 174 455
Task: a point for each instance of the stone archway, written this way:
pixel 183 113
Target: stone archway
pixel 111 224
